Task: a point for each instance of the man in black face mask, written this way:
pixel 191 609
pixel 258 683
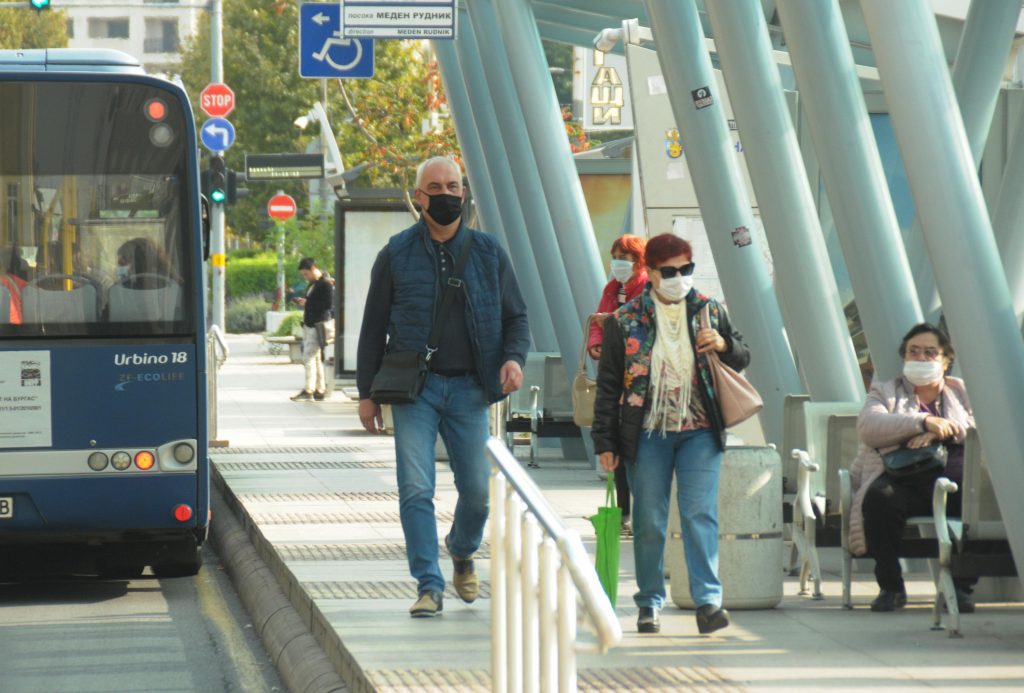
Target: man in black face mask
pixel 476 361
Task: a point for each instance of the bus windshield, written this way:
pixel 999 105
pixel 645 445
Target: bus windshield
pixel 96 225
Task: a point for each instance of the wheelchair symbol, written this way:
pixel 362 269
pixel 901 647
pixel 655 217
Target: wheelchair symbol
pixel 335 39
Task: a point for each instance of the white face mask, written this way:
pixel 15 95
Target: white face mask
pixel 622 270
pixel 922 372
pixel 123 271
pixel 676 288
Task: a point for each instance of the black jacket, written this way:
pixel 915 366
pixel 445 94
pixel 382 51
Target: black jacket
pixel 318 302
pixel 617 427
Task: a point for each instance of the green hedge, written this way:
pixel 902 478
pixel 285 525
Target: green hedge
pixel 246 314
pixel 248 276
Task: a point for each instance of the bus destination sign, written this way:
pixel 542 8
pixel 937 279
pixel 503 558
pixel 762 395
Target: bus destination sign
pixel 283 166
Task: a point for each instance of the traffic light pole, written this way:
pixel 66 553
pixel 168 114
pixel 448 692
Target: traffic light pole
pixel 217 255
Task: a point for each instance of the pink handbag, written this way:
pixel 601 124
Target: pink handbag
pixel 737 398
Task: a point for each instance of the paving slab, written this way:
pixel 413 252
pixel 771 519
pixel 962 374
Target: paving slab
pixel 318 495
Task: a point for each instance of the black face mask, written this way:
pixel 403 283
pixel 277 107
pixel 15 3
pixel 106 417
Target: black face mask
pixel 444 208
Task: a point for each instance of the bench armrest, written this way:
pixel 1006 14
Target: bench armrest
pixel 943 487
pixel 845 503
pixel 803 484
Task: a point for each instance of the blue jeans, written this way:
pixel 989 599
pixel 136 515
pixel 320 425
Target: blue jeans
pixel 457 408
pixel 696 460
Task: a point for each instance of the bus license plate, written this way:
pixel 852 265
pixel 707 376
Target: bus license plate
pixel 6 508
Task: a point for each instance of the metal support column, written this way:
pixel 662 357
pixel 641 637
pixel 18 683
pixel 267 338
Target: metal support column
pixel 802 267
pixel 486 195
pixel 488 77
pixel 869 234
pixel 217 243
pixel 557 170
pixel 977 75
pixel 711 160
pixel 1008 219
pixel 947 193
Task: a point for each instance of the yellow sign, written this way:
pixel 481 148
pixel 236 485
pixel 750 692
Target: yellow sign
pixel 218 260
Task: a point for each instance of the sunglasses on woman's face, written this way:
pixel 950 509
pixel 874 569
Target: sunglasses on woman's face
pixel 668 271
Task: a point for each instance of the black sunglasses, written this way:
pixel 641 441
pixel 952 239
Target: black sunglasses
pixel 668 271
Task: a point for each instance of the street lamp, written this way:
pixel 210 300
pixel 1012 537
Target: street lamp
pixel 334 167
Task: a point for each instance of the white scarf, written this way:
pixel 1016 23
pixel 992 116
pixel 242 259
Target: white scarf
pixel 671 363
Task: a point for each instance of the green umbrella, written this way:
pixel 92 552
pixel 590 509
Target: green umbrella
pixel 607 524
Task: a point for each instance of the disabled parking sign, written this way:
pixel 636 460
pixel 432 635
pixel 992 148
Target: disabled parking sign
pixel 323 51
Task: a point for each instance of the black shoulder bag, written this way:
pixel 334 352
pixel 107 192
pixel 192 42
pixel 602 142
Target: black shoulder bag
pixel 402 374
pixel 908 463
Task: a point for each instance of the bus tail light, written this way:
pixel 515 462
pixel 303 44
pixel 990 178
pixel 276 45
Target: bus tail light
pixel 121 460
pixel 182 513
pixel 144 460
pixel 184 453
pixel 98 461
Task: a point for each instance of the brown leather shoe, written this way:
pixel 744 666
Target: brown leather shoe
pixel 465 580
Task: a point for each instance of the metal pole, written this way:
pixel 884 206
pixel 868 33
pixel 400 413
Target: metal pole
pixel 325 189
pixel 557 170
pixel 548 638
pixel 499 622
pixel 958 235
pixel 513 590
pixel 711 161
pixel 866 225
pixel 1008 219
pixel 280 263
pixel 217 250
pixel 977 75
pixel 498 203
pixel 488 75
pixel 531 619
pixel 776 166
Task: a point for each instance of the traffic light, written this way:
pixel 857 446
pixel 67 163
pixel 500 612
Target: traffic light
pixel 234 192
pixel 39 5
pixel 217 180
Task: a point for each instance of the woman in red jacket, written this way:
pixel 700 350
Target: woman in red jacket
pixel 629 278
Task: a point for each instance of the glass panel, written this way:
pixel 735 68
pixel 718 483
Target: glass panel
pixel 96 238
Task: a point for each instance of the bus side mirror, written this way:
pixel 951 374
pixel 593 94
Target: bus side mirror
pixel 204 216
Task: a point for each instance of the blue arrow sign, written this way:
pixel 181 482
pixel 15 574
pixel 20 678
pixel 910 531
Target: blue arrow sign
pixel 323 51
pixel 217 134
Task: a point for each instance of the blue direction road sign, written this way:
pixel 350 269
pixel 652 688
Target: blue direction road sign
pixel 217 134
pixel 323 51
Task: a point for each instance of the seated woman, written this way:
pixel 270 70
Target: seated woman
pixel 913 410
pixel 141 256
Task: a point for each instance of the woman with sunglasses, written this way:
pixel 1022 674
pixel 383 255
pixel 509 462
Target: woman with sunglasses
pixel 629 276
pixel 921 406
pixel 656 413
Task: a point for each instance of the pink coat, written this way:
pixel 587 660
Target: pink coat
pixel 889 418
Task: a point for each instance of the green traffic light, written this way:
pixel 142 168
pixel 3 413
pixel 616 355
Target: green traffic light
pixel 40 4
pixel 217 195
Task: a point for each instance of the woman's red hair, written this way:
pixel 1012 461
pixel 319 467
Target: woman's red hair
pixel 665 246
pixel 629 244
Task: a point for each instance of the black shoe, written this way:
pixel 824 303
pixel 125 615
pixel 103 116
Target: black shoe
pixel 711 618
pixel 303 396
pixel 964 602
pixel 648 620
pixel 319 396
pixel 889 600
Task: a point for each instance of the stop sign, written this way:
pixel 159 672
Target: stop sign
pixel 281 207
pixel 217 100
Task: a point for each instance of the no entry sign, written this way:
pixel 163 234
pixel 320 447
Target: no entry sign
pixel 281 207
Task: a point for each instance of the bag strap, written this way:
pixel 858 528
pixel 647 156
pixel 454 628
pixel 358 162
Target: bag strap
pixel 454 282
pixel 609 494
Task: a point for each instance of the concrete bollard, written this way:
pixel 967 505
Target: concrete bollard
pixel 749 530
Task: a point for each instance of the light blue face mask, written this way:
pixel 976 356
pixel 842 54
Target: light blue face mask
pixel 123 271
pixel 622 270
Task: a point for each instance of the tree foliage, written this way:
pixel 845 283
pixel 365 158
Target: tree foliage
pixel 21 27
pixel 260 58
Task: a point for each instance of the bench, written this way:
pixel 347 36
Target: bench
pixel 277 345
pixel 542 407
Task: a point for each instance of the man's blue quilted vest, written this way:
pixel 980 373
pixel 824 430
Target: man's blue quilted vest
pixel 416 295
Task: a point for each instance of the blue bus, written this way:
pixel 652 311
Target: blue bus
pixel 103 429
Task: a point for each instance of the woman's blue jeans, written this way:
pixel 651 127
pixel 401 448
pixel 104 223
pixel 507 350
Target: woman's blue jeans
pixel 695 459
pixel 457 408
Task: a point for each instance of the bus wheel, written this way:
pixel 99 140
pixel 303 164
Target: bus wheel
pixel 183 561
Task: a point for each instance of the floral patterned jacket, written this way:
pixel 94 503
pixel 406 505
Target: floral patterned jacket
pixel 623 376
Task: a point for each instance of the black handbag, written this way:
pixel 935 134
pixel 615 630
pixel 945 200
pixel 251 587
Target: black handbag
pixel 905 463
pixel 402 374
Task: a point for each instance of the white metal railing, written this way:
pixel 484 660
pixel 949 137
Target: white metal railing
pixel 217 353
pixel 538 569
